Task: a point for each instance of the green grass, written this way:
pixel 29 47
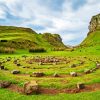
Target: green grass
pixel 89 52
pixel 62 69
pixel 92 39
pixel 8 95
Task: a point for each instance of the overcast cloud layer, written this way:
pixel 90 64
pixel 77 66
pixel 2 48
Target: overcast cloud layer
pixel 69 18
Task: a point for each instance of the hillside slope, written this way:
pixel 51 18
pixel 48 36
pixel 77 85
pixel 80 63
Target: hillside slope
pixel 93 37
pixel 24 38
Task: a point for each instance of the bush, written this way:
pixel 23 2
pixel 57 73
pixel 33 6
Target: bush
pixel 37 50
pixel 3 40
pixel 7 50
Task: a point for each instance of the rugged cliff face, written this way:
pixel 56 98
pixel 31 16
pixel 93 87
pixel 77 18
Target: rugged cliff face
pixel 94 23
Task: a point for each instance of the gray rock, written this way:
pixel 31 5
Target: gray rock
pixel 72 66
pixel 15 72
pixel 1 67
pixel 31 87
pixel 56 75
pixel 38 74
pixel 94 69
pixel 4 84
pixel 98 66
pixel 80 85
pixel 74 74
pixel 40 63
pixel 18 64
pixel 87 71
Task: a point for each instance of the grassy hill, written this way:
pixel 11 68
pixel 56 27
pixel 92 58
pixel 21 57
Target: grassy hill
pixel 22 38
pixel 93 37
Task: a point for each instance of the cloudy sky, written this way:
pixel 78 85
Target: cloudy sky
pixel 69 18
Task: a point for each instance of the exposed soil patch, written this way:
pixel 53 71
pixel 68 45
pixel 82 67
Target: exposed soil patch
pixel 23 75
pixel 16 88
pixel 88 88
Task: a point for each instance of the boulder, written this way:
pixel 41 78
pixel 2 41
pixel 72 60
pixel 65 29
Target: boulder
pixel 80 85
pixel 15 72
pixel 4 84
pixel 31 87
pixel 74 74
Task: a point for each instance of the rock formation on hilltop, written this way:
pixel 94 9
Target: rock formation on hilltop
pixel 94 23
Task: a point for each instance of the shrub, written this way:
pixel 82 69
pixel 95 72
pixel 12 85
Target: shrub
pixel 37 50
pixel 3 40
pixel 7 50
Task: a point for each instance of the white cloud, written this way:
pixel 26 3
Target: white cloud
pixel 63 21
pixel 2 13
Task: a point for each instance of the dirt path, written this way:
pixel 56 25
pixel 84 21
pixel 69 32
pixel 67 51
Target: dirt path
pixel 88 88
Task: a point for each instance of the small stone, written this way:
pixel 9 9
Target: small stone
pixel 1 67
pixel 15 72
pixel 4 84
pixel 56 75
pixel 15 62
pixel 38 74
pixel 94 69
pixel 98 66
pixel 40 63
pixel 55 63
pixel 31 87
pixel 82 62
pixel 18 64
pixel 72 66
pixel 8 59
pixel 80 85
pixel 74 74
pixel 87 71
pixel 23 67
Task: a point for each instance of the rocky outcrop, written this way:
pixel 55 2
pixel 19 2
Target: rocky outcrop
pixel 53 39
pixel 94 23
